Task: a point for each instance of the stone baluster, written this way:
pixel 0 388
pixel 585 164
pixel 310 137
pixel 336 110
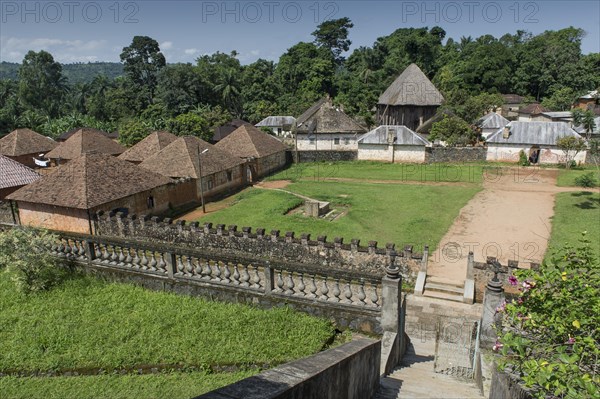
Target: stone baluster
pixel 136 259
pixel 162 265
pixel 256 279
pixel 180 266
pixel 324 290
pixel 312 287
pixel 348 294
pixel 279 282
pixel 290 284
pixel 171 263
pixel 128 259
pixel 374 296
pixel 235 277
pixel 153 261
pixel 121 259
pixel 216 271
pixel 206 270
pixel 245 277
pixel 301 285
pixel 361 293
pixel 114 258
pixel 198 268
pixel 226 272
pixel 269 278
pixel 144 262
pixel 336 290
pixel 189 268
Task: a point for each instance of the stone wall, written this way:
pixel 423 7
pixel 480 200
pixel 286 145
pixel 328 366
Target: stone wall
pixel 455 154
pixel 323 156
pixel 484 272
pixel 275 246
pixel 350 371
pixel 505 387
pixel 6 215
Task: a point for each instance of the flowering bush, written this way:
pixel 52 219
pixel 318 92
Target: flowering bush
pixel 551 332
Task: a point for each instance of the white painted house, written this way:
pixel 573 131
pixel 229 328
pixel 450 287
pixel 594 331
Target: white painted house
pixel 536 139
pixel 392 143
pixel 281 126
pixel 490 123
pixel 325 127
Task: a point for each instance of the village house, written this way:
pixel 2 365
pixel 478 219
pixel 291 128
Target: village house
pixel 223 131
pixel 594 134
pixel 14 175
pixel 281 126
pixel 25 146
pixel 81 142
pixel 66 135
pixel 490 123
pixel 530 112
pixel 554 116
pixel 262 152
pixel 511 106
pixel 589 101
pixel 536 139
pixel 392 144
pixel 324 127
pixel 66 199
pixel 409 101
pixel 221 172
pixel 149 146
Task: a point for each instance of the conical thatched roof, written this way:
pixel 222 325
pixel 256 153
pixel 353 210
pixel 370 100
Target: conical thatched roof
pixel 412 87
pixel 247 141
pixel 149 146
pixel 323 117
pixel 180 159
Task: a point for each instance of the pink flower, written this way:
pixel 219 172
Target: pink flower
pixel 501 307
pixel 497 346
pixel 527 285
pixel 571 340
pixel 520 301
pixel 513 280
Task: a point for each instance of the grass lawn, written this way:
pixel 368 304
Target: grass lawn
pixel 88 323
pixel 566 178
pixel 399 213
pixel 169 385
pixel 574 213
pixel 370 170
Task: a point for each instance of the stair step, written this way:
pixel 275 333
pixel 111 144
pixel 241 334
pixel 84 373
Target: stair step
pixel 451 289
pixel 442 295
pixel 445 281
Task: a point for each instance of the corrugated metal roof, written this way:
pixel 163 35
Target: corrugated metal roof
pixel 558 114
pixel 492 121
pixel 402 136
pixel 274 121
pixel 540 133
pixel 581 130
pixel 591 94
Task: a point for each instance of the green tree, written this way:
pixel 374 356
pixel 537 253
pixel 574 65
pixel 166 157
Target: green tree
pixel 229 90
pixel 585 119
pixel 181 87
pixel 42 86
pixel 561 100
pixel 214 116
pixel 570 146
pixel 190 124
pixel 333 35
pixel 142 62
pixel 454 131
pixel 132 131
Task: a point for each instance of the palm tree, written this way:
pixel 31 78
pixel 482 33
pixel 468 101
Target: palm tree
pixel 228 89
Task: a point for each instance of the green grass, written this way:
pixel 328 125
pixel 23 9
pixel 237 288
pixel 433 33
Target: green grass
pixel 566 178
pixel 370 170
pixel 574 213
pixel 170 385
pixel 86 322
pixel 399 213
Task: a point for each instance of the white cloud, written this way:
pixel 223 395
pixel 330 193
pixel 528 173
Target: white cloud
pixel 166 45
pixel 14 48
pixel 191 51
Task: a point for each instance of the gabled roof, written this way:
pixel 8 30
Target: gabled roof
pixel 401 136
pixel 66 135
pixel 513 98
pixel 274 121
pixel 323 117
pixel 14 174
pixel 581 130
pixel 534 109
pixel 89 181
pixel 180 159
pixel 85 141
pixel 412 87
pixel 541 133
pixel 492 121
pixel 558 114
pixel 25 141
pixel 591 95
pixel 149 146
pixel 223 131
pixel 248 141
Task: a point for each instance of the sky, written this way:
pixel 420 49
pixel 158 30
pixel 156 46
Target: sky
pixel 82 31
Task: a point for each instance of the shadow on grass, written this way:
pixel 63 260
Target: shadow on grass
pixel 589 202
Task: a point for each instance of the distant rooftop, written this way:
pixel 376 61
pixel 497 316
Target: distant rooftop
pixel 541 133
pixel 274 121
pixel 401 136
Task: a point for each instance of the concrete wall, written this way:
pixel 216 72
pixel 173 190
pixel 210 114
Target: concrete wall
pixel 505 387
pixel 326 142
pixel 54 217
pixel 510 153
pixel 383 152
pixel 455 154
pixel 350 371
pixel 323 156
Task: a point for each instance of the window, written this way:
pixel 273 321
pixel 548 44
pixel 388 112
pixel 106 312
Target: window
pixel 279 131
pixel 229 176
pixel 150 202
pixel 346 141
pixel 336 141
pixel 210 184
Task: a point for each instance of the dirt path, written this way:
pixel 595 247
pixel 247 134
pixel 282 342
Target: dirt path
pixel 510 219
pixel 377 181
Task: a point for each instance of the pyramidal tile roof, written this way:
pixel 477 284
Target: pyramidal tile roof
pixel 247 141
pixel 85 141
pixel 412 87
pixel 89 181
pixel 66 135
pixel 180 159
pixel 149 146
pixel 323 117
pixel 14 174
pixel 25 141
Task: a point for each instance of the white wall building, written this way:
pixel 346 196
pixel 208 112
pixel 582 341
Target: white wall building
pixel 490 123
pixel 394 144
pixel 281 126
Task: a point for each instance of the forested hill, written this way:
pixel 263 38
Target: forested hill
pixel 75 73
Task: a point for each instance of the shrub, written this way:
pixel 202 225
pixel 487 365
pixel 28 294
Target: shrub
pixel 586 180
pixel 551 338
pixel 24 253
pixel 523 160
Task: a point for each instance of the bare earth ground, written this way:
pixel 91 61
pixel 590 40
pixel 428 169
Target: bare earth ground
pixel 510 219
pixel 195 214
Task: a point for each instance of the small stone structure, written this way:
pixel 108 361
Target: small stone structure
pixel 316 209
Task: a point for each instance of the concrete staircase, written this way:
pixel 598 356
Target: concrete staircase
pixel 440 288
pixel 415 378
